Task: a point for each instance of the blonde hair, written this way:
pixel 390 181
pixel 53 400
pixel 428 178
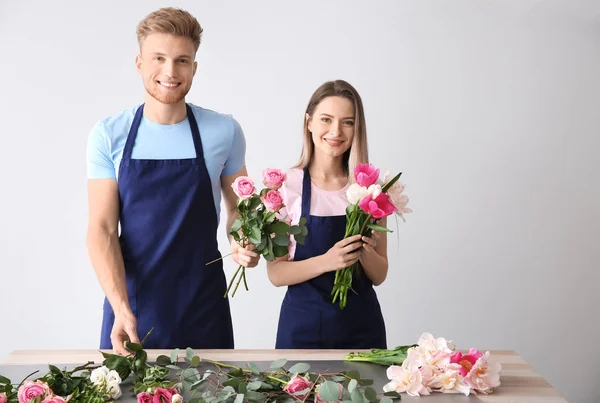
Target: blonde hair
pixel 358 151
pixel 173 21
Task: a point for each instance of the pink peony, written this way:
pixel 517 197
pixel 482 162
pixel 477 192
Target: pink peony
pixel 144 397
pixel 273 178
pixel 3 398
pixel 243 187
pixel 366 175
pixel 53 399
pixel 30 390
pixel 378 207
pixel 272 200
pixel 298 384
pixel 466 361
pixel 162 395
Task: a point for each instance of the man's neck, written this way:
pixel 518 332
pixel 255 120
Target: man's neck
pixel 164 114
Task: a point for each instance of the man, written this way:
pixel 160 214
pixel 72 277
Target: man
pixel 158 170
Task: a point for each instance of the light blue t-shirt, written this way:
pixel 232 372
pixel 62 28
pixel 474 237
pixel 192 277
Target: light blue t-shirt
pixel 222 139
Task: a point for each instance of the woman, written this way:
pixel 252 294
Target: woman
pixel 335 140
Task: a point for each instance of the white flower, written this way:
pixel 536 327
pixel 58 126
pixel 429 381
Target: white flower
pixel 485 374
pixel 398 199
pixel 113 389
pixel 113 376
pixel 374 190
pixel 356 193
pixel 450 381
pixel 99 375
pixel 176 398
pixel 405 379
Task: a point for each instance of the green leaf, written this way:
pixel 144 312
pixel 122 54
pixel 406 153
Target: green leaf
pixel 278 363
pixel 295 230
pixel 390 183
pixel 174 355
pixel 352 385
pixel 255 236
pixel 163 360
pixel 279 228
pixel 189 353
pixel 299 368
pixel 386 400
pixel 236 236
pixel 304 231
pixel 281 240
pixel 329 391
pixel 337 378
pixel 302 221
pixel 237 224
pixel 366 382
pixel 394 395
pixel 4 380
pixel 254 202
pixel 239 398
pixel 300 239
pixel 353 375
pixel 254 368
pixel 376 227
pixel 370 394
pixel 357 397
pixel 255 385
pixel 242 388
pixel 254 396
pixel 195 361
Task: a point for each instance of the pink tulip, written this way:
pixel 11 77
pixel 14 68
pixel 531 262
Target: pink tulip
pixel 466 361
pixel 366 174
pixel 379 207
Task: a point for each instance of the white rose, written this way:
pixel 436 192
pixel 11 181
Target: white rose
pixel 177 398
pixel 113 376
pixel 113 389
pixel 98 375
pixel 356 193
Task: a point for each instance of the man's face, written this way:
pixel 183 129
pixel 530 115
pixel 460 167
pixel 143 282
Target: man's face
pixel 167 67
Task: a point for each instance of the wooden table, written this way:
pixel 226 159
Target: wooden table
pixel 519 382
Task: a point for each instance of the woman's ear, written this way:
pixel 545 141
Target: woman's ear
pixel 308 122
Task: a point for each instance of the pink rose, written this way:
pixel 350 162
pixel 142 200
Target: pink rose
pixel 379 207
pixel 466 361
pixel 298 384
pixel 53 399
pixel 173 390
pixel 243 187
pixel 272 200
pixel 161 395
pixel 273 178
pixel 3 398
pixel 144 397
pixel 366 175
pixel 30 390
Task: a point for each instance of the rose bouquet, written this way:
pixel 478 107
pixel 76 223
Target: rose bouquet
pixel 257 223
pixel 371 199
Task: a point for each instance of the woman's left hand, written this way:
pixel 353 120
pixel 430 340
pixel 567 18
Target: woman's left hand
pixel 370 243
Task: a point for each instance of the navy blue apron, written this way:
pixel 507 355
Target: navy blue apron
pixel 308 319
pixel 168 234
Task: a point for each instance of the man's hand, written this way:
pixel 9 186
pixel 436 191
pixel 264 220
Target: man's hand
pixel 124 329
pixel 244 256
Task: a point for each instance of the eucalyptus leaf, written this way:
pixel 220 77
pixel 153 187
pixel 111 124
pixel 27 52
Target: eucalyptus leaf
pixel 174 355
pixel 254 368
pixel 278 363
pixel 352 385
pixel 189 353
pixel 353 375
pixel 386 400
pixel 299 368
pixel 281 240
pixel 163 360
pixel 329 391
pixel 254 385
pixel 239 398
pixel 357 397
pixel 370 394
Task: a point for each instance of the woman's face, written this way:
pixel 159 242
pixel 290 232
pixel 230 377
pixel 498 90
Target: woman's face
pixel 332 126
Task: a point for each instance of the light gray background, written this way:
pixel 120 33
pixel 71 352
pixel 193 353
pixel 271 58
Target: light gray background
pixel 489 107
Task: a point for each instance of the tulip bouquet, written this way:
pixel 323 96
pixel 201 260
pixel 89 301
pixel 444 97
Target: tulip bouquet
pixel 434 365
pixel 258 224
pixel 371 199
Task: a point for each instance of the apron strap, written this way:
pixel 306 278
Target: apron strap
pixel 306 188
pixel 133 130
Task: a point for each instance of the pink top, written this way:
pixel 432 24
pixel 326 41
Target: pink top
pixel 322 202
